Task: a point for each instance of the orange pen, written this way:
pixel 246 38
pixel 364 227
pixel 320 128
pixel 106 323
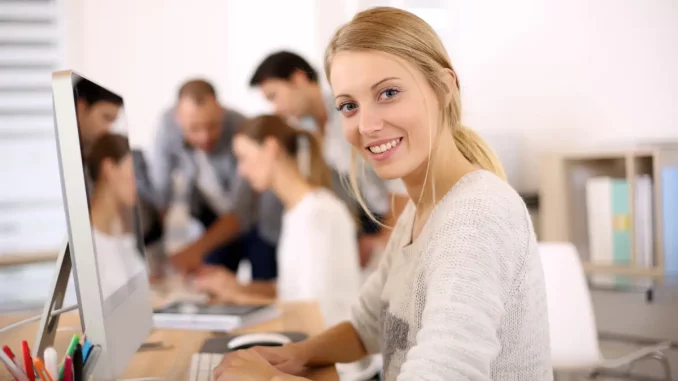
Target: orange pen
pixel 42 372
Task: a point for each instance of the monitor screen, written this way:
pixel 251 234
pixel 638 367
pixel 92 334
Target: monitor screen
pixel 111 192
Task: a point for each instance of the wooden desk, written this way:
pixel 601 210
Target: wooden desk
pixel 173 363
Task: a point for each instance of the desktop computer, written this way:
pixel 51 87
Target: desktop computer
pixel 105 248
pixel 104 244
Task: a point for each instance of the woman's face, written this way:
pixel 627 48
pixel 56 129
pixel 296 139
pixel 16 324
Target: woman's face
pixel 390 113
pixel 120 178
pixel 255 161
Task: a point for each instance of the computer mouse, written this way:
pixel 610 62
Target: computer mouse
pixel 257 339
pixel 188 308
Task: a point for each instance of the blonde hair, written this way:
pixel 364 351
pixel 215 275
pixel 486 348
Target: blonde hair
pixel 270 126
pixel 406 36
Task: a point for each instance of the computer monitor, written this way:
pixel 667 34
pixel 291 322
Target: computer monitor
pixel 99 191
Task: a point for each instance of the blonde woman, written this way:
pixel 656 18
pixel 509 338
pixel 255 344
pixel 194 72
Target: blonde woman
pixel 459 294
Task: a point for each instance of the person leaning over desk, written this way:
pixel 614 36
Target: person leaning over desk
pixel 459 294
pixel 97 110
pixel 317 252
pixel 291 84
pixel 194 139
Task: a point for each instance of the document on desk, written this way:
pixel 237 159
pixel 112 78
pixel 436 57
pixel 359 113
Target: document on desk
pixel 204 317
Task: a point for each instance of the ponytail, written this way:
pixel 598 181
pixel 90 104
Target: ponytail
pixel 477 151
pixel 317 173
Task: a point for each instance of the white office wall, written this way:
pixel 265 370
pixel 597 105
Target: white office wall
pixel 145 49
pixel 257 28
pixel 535 75
pixel 538 75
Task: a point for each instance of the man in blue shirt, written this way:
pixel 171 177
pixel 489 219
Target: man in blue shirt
pixel 194 139
pixel 291 84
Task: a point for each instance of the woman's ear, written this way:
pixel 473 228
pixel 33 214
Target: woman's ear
pixel 271 146
pixel 451 84
pixel 107 168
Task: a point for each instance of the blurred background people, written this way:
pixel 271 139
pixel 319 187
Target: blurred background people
pixel 111 203
pixel 193 142
pixel 97 111
pixel 317 254
pixel 291 84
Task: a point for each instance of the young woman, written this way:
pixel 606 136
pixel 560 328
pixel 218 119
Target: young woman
pixel 317 252
pixel 459 294
pixel 111 209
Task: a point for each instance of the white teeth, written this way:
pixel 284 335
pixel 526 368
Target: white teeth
pixel 384 147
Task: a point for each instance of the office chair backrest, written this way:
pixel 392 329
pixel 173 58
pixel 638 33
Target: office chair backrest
pixel 574 336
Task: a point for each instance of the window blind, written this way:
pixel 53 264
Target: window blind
pixel 31 213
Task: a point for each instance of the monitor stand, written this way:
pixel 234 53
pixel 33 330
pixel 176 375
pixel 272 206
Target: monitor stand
pixel 49 322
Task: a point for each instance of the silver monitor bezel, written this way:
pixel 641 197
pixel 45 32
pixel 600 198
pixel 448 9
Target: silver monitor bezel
pixel 133 319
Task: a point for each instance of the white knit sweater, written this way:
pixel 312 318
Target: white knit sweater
pixel 465 300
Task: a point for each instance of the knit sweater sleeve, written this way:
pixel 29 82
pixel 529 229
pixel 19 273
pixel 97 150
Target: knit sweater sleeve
pixel 472 261
pixel 365 313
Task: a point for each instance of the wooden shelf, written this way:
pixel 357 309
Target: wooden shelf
pixel 562 198
pixel 633 271
pixel 27 258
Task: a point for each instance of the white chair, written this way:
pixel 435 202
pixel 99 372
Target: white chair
pixel 574 337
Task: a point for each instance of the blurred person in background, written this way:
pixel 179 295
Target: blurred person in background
pixel 97 111
pixel 291 84
pixel 111 203
pixel 194 140
pixel 317 254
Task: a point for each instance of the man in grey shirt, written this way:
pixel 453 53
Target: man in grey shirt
pixel 194 140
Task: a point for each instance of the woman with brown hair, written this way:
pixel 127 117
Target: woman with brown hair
pixel 317 253
pixel 112 205
pixel 459 294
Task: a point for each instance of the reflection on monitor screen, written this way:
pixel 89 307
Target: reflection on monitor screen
pixel 111 191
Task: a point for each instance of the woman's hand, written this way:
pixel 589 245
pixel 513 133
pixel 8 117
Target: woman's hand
pixel 290 358
pixel 219 282
pixel 245 365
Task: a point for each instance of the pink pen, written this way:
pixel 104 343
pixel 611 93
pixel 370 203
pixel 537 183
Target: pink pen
pixel 68 369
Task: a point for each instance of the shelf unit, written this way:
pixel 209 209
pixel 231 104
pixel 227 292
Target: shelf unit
pixel 562 199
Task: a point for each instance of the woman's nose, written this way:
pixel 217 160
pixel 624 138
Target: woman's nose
pixel 370 122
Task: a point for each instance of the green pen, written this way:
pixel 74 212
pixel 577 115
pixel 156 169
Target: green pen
pixel 69 352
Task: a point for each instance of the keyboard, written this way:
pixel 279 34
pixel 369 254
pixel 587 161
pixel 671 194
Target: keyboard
pixel 202 365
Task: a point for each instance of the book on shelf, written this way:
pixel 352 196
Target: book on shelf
pixel 609 225
pixel 669 194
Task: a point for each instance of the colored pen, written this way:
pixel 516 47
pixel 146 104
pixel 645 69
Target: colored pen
pixel 42 372
pixel 68 369
pixel 28 360
pixel 91 361
pixel 69 352
pixel 12 367
pixel 77 363
pixel 86 348
pixel 51 362
pixel 11 356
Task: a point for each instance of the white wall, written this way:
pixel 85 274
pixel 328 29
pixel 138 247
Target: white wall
pixel 535 75
pixel 566 73
pixel 145 49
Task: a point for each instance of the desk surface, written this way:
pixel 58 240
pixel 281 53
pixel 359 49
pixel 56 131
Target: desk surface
pixel 173 363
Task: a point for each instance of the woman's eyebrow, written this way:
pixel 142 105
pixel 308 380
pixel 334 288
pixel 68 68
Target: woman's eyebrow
pixel 371 87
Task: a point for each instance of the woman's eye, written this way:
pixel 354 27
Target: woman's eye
pixel 347 107
pixel 388 93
